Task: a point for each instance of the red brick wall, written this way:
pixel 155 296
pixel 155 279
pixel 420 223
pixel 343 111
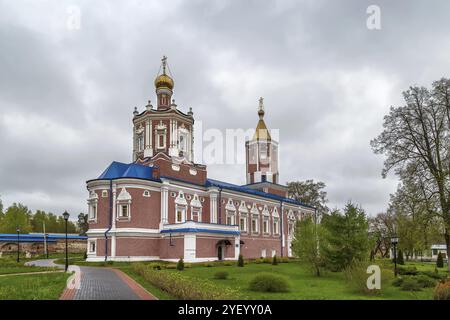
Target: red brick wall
pixel 252 247
pixel 176 251
pixel 145 211
pixel 206 247
pixel 137 246
pixel 102 210
pixel 101 246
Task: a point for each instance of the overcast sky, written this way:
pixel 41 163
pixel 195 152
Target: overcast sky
pixel 67 91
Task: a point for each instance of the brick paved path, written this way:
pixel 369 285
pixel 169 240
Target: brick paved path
pixel 98 283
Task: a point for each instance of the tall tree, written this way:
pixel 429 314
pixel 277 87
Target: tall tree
pixel 17 215
pixel 309 192
pixel 307 244
pixel 346 237
pixel 418 134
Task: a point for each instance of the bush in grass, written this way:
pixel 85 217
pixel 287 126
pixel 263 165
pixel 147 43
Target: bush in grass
pixel 180 265
pixel 425 282
pixel 434 274
pixel 397 282
pixel 221 275
pixel 411 284
pixel 356 277
pixel 85 255
pixel 185 288
pixel 274 260
pixel 240 262
pixel 440 261
pixel 268 282
pixel 407 271
pixel 442 291
pixel 400 259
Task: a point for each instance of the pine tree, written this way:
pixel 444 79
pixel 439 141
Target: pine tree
pixel 440 261
pixel 347 237
pixel 274 260
pixel 400 259
pixel 240 262
pixel 180 265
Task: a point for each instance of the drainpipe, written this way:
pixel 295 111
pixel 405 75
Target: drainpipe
pixel 110 219
pixel 281 226
pixel 219 220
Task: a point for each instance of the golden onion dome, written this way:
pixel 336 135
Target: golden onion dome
pixel 164 81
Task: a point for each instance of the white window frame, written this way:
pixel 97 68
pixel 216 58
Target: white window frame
pixel 276 226
pixel 140 142
pixel 199 213
pixel 90 243
pixel 104 193
pixel 120 207
pixel 183 213
pixel 146 193
pixel 232 215
pixel 243 217
pixel 158 140
pixel 254 217
pixel 266 223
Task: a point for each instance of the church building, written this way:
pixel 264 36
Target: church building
pixel 163 206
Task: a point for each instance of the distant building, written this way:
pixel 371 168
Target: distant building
pixel 438 248
pixel 163 205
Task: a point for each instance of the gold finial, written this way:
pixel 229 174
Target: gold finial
pixel 261 108
pixel 164 63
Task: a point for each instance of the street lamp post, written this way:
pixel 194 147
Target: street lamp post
pixel 66 218
pixel 394 241
pixel 18 244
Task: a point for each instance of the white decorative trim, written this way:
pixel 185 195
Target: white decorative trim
pixel 193 171
pixel 175 167
pixel 196 201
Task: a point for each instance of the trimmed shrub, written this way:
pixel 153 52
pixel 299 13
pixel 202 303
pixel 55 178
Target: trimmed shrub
pixel 274 260
pixel 442 291
pixel 221 275
pixel 85 255
pixel 268 282
pixel 180 265
pixel 407 271
pixel 425 282
pixel 240 262
pixel 184 288
pixel 411 284
pixel 397 282
pixel 440 261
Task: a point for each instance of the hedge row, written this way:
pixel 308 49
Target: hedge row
pixel 184 288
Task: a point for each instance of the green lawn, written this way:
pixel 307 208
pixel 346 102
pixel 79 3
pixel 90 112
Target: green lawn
pixel 33 287
pixel 303 284
pixel 9 265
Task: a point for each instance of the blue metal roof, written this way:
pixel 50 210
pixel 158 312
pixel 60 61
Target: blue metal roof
pixel 123 170
pixel 38 237
pixel 235 187
pixel 132 170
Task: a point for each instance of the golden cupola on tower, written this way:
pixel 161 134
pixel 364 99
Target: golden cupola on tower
pixel 164 80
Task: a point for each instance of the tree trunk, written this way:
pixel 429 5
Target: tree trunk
pixel 447 242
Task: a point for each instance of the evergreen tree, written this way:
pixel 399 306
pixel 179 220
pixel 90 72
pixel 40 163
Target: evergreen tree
pixel 346 236
pixel 274 260
pixel 400 259
pixel 240 262
pixel 440 261
pixel 180 265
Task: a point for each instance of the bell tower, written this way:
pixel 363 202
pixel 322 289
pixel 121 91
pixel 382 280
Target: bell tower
pixel 261 153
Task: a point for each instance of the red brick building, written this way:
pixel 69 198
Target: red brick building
pixel 163 206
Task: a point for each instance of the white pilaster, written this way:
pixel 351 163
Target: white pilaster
pixel 164 203
pixel 190 247
pixel 213 206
